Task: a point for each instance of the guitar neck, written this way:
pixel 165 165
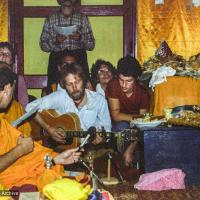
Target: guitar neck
pixel 82 134
pixel 78 134
pixel 53 118
pixel 127 134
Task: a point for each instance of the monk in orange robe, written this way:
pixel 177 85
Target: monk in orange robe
pixel 26 169
pixel 12 113
pixel 21 159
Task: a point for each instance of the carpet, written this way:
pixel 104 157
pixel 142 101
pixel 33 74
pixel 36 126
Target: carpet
pixel 126 191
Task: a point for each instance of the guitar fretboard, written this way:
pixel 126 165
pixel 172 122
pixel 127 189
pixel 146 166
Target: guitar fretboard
pixel 82 134
pixel 79 134
pixel 127 134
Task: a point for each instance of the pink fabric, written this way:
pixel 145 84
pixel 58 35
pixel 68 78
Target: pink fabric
pixel 165 179
pixel 22 91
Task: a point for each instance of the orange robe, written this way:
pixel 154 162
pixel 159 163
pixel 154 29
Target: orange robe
pixel 15 111
pixel 29 168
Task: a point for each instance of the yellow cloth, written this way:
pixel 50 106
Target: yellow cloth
pixel 176 91
pixel 66 189
pixel 27 169
pixel 47 177
pixel 174 21
pixel 4 20
pixel 15 111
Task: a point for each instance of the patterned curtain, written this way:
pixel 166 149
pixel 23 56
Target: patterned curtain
pixel 3 20
pixel 176 22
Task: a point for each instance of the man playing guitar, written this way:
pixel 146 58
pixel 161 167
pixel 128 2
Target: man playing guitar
pixel 91 107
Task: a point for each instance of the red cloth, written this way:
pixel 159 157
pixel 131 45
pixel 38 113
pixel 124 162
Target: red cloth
pixel 140 98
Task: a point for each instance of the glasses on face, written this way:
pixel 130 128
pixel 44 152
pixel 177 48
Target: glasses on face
pixel 5 54
pixel 104 71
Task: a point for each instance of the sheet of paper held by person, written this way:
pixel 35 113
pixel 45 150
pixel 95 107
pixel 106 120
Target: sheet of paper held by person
pixel 65 30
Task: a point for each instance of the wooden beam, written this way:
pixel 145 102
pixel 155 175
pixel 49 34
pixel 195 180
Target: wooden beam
pixel 35 81
pixel 40 11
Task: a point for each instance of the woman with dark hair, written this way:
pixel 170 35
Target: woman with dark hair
pixel 101 73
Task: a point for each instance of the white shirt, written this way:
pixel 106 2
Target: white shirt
pixel 100 90
pixel 94 113
pixel 60 88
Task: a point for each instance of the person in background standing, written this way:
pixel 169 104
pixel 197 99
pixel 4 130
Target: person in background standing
pixel 79 42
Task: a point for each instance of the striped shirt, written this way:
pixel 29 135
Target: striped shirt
pixel 48 37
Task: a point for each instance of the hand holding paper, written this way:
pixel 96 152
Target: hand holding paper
pixel 75 36
pixel 60 38
pixel 65 30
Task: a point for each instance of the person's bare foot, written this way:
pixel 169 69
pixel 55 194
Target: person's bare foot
pixel 128 154
pixel 128 158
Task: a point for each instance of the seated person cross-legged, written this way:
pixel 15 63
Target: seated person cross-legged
pixel 127 99
pixel 14 110
pixel 89 106
pixel 21 159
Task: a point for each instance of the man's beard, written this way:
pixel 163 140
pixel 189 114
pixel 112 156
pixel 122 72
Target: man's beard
pixel 77 95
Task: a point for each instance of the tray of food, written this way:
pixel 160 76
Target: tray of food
pixel 186 118
pixel 147 121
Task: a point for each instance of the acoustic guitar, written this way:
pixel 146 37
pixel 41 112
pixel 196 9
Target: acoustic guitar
pixel 69 123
